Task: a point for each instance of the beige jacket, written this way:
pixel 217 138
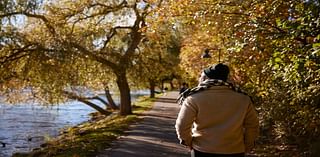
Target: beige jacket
pixel 218 120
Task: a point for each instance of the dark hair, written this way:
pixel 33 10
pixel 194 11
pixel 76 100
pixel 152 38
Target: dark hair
pixel 218 71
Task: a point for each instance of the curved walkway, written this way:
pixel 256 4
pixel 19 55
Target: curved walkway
pixel 154 136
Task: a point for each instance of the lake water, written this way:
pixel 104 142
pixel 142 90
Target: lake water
pixel 24 127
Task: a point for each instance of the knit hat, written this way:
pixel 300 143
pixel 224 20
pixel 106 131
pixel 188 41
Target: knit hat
pixel 218 71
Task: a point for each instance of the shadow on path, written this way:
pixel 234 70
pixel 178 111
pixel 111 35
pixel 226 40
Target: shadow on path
pixel 166 100
pixel 153 137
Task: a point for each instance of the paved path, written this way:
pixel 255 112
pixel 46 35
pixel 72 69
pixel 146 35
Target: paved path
pixel 153 137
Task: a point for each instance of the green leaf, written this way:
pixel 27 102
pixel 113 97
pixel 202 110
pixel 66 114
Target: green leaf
pixel 316 45
pixel 277 60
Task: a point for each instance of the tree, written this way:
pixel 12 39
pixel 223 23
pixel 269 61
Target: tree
pixel 158 57
pixel 8 8
pixel 103 34
pixel 274 49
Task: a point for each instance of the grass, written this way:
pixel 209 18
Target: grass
pixel 89 138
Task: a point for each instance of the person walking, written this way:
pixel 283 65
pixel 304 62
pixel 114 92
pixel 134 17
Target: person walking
pixel 216 118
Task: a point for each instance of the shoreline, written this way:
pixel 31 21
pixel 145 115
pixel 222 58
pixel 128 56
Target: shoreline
pixel 71 136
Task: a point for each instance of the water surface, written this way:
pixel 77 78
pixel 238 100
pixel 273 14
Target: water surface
pixel 24 127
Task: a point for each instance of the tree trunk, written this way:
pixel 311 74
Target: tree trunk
pixel 96 107
pixel 152 88
pixel 125 98
pixel 171 85
pixel 100 99
pixel 109 98
pixel 162 85
pixel 85 100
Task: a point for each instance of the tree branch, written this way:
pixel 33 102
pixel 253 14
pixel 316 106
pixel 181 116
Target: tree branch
pixel 94 56
pixel 84 100
pixel 17 54
pixel 42 17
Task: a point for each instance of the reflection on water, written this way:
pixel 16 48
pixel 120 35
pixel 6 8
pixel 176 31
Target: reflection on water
pixel 24 127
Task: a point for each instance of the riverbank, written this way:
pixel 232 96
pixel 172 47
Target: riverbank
pixel 91 137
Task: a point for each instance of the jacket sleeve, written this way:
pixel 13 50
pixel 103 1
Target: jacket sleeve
pixel 184 122
pixel 251 126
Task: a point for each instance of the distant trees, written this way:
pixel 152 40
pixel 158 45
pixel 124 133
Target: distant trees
pixel 159 58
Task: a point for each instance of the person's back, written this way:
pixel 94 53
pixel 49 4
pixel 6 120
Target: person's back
pixel 220 113
pixel 223 120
